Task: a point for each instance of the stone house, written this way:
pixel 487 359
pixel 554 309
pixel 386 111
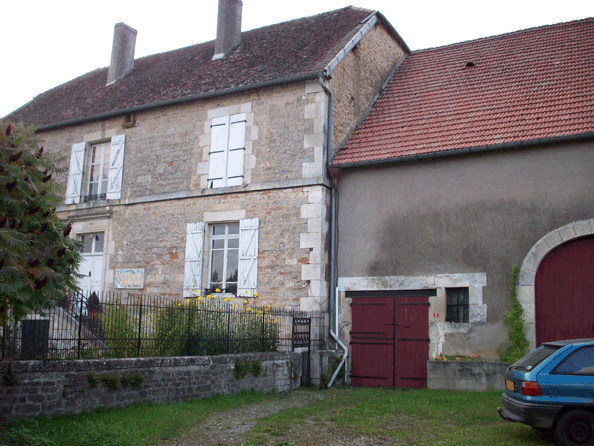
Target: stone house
pixel 206 167
pixel 477 156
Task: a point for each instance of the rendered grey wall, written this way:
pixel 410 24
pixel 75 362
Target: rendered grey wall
pixel 477 213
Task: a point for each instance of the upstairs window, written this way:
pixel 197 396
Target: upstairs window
pixel 457 305
pixel 227 149
pixel 98 172
pixel 101 173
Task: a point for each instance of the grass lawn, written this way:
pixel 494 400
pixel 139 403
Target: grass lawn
pixel 357 416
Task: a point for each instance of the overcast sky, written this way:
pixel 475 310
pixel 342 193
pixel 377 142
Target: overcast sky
pixel 46 43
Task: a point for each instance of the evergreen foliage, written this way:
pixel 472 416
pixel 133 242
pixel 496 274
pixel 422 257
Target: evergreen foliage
pixel 514 319
pixel 37 258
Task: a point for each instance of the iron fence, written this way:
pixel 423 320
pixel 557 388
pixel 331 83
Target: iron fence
pixel 123 326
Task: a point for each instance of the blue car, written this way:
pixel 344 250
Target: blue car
pixel 553 388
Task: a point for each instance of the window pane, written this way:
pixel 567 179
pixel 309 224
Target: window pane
pixel 95 154
pixel 216 271
pixel 94 176
pixel 233 243
pixel 234 228
pixel 580 362
pixel 218 229
pixel 232 266
pixel 218 244
pixel 88 241
pixel 99 242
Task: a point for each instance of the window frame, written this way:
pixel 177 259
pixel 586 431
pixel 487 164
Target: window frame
pixel 104 169
pixel 462 309
pixel 226 237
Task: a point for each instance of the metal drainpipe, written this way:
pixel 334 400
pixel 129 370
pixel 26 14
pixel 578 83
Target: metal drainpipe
pixel 333 304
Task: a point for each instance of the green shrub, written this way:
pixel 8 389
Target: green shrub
pixel 514 319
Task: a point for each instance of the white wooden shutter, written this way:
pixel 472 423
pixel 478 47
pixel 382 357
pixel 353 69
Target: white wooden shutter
pixel 219 139
pixel 77 158
pixel 194 254
pixel 116 167
pixel 248 257
pixel 236 150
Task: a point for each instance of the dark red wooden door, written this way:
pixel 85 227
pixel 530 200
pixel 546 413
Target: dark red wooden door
pixel 372 342
pixel 389 341
pixel 564 292
pixel 412 341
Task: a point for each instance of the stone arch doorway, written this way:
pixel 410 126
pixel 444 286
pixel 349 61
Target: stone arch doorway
pixel 554 266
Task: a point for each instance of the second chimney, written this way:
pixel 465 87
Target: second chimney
pixel 122 52
pixel 228 27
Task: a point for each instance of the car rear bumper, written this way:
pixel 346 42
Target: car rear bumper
pixel 533 414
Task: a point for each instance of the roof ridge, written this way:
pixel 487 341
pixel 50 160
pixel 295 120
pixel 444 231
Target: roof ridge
pixel 494 36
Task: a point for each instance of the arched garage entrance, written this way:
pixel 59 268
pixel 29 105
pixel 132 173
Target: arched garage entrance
pixel 583 229
pixel 564 292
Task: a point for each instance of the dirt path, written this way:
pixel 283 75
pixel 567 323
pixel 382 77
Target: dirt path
pixel 233 426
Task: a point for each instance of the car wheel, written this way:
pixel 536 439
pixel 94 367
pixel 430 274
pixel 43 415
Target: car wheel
pixel 574 428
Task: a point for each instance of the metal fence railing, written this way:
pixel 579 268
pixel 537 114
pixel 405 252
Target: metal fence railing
pixel 121 326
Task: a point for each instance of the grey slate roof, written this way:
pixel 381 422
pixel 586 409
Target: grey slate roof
pixel 266 55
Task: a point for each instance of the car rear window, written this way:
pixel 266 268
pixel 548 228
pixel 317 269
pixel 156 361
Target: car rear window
pixel 534 358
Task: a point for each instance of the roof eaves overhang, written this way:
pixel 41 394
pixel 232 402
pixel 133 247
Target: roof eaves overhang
pixel 183 100
pixel 465 151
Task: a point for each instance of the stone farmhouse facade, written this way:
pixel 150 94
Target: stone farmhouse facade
pixel 205 168
pixel 477 156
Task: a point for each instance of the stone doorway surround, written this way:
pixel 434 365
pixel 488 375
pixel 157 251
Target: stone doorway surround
pixel 526 293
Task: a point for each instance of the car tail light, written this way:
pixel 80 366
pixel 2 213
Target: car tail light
pixel 530 388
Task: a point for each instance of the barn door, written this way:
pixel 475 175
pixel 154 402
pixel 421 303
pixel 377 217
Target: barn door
pixel 564 292
pixel 389 338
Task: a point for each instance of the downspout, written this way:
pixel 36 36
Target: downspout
pixel 333 303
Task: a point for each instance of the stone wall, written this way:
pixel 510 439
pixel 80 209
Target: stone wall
pixel 461 375
pixel 31 388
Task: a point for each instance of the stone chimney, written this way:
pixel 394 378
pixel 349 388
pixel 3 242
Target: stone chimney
pixel 122 52
pixel 228 27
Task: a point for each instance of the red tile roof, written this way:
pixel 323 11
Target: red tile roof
pixel 524 86
pixel 275 52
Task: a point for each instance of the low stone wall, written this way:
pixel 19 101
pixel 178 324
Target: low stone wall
pixel 31 388
pixel 461 375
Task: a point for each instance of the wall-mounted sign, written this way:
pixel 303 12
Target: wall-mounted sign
pixel 129 278
pixel 435 314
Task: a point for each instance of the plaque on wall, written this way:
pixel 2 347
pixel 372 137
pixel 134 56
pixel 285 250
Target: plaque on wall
pixel 129 278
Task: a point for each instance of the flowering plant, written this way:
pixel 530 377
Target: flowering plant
pixel 459 357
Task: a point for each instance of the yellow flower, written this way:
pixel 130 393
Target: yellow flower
pixel 245 291
pixel 233 305
pixel 217 290
pixel 208 296
pixel 188 300
pixel 225 299
pixel 246 301
pixel 276 320
pixel 215 296
pixel 232 300
pixel 199 298
pixel 255 294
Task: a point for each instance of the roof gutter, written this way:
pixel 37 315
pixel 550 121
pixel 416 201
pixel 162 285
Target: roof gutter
pixel 465 151
pixel 183 100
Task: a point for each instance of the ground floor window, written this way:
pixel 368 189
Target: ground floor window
pixel 457 305
pixel 224 255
